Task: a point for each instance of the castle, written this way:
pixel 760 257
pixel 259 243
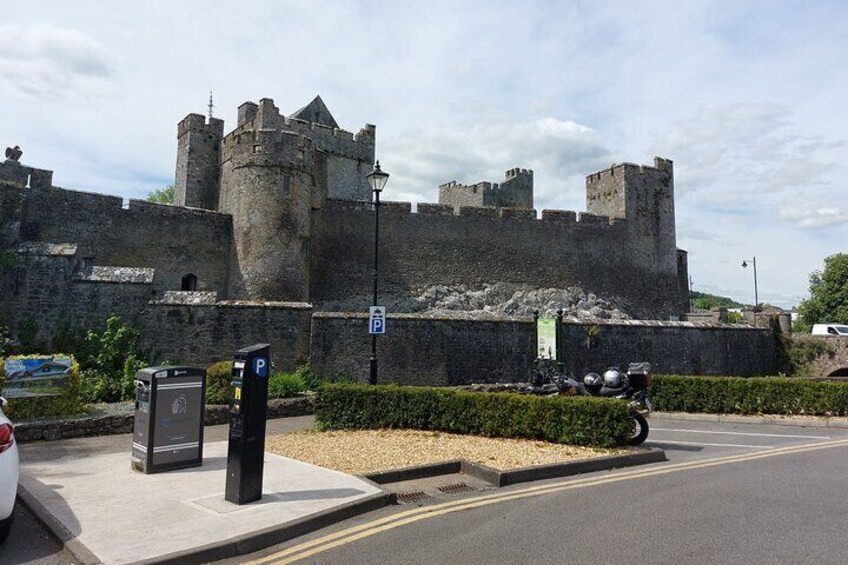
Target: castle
pixel 277 214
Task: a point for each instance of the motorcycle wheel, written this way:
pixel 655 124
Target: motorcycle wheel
pixel 640 429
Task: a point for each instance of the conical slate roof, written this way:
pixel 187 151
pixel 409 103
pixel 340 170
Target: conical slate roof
pixel 317 113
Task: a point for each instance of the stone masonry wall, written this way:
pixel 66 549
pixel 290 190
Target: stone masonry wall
pixel 174 240
pixel 203 334
pixel 445 351
pixel 48 288
pixel 479 246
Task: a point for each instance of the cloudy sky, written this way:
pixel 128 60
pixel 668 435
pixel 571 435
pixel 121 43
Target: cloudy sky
pixel 748 99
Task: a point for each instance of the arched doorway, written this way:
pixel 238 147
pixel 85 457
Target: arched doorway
pixel 843 372
pixel 189 282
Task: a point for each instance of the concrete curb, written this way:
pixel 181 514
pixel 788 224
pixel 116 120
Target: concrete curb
pixel 766 419
pixel 540 472
pixel 416 472
pixel 642 456
pixel 75 547
pixel 223 549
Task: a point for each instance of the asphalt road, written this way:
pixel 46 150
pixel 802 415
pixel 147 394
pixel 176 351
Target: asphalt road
pixel 729 494
pixel 30 543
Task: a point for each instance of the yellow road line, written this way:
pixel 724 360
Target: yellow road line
pixel 330 541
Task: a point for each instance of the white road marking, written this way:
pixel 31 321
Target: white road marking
pixel 752 434
pixel 662 442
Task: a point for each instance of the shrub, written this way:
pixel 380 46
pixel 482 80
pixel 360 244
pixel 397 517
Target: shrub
pixel 5 341
pixel 754 395
pixel 218 382
pixel 285 385
pixel 66 403
pixel 313 380
pixel 110 361
pixel 573 420
pixel 27 334
pixel 801 353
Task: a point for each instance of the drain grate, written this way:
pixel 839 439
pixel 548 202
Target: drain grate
pixel 410 497
pixel 456 488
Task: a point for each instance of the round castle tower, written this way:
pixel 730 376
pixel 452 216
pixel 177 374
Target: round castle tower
pixel 267 184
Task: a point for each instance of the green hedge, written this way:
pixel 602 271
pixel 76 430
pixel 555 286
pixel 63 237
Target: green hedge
pixel 578 421
pixel 753 395
pixel 67 403
pixel 218 378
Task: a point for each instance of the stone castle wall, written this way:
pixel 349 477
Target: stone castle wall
pixel 448 351
pixel 484 245
pixel 175 240
pixel 48 289
pixel 201 334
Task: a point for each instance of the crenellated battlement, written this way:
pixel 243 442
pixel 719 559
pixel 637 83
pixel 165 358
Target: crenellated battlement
pixel 618 171
pixel 96 205
pixel 332 140
pixel 516 172
pixel 521 215
pixel 516 191
pixel 268 148
pixel 196 123
pixel 21 175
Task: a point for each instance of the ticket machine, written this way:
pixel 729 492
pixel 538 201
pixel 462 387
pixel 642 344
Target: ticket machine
pixel 248 402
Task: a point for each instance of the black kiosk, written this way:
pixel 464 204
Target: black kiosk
pixel 248 402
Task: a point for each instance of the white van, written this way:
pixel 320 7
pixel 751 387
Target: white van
pixel 830 329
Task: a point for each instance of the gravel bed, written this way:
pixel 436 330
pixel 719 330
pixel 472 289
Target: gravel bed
pixel 369 451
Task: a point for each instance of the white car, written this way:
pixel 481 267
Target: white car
pixel 8 472
pixel 830 329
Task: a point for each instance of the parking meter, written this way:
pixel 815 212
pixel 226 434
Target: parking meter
pixel 248 402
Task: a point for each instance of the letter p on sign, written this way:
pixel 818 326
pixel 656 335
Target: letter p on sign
pixel 260 367
pixel 377 320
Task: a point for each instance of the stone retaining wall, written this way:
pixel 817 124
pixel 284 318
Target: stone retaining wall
pixel 49 430
pixel 443 351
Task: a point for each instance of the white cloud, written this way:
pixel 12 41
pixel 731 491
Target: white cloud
pixel 43 60
pixel 560 152
pixel 816 218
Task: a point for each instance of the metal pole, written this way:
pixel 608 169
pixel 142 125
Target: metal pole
pixel 373 378
pixel 559 339
pixel 756 297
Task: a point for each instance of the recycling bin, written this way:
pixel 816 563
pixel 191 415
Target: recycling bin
pixel 170 410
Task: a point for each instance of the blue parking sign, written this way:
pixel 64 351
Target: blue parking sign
pixel 377 320
pixel 260 367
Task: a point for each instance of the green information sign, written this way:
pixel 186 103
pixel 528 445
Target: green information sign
pixel 546 338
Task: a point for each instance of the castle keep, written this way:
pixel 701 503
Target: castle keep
pixel 273 221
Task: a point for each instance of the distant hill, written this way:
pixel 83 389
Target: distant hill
pixel 704 301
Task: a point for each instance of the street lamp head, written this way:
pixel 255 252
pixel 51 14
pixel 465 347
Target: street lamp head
pixel 377 178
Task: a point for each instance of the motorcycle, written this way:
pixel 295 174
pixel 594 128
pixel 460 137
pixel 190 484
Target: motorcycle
pixel 632 386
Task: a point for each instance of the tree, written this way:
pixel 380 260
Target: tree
pixel 162 195
pixel 828 300
pixel 704 301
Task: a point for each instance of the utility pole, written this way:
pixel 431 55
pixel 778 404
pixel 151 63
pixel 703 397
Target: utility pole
pixel 691 289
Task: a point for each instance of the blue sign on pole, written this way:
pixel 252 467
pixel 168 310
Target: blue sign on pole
pixel 260 367
pixel 377 320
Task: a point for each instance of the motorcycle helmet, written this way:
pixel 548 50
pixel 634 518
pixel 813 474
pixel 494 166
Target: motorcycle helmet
pixel 612 377
pixel 593 381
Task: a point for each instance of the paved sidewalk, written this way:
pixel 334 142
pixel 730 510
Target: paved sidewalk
pixel 85 490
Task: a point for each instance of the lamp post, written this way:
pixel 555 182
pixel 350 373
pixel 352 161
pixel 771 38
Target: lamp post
pixel 377 179
pixel 756 297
